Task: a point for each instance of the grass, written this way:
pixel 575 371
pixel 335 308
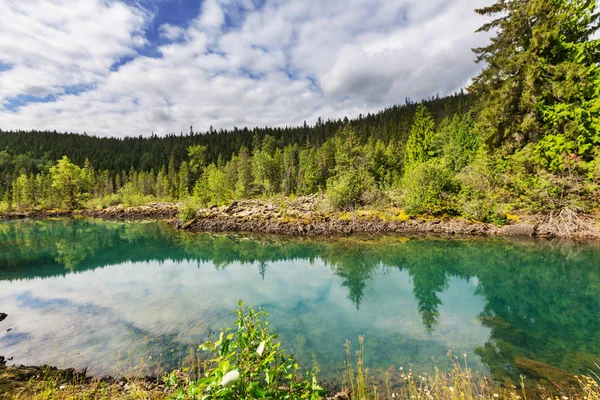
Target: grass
pixel 458 384
pixel 357 384
pixel 49 383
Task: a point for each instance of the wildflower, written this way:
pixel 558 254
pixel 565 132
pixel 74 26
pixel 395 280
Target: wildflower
pixel 450 388
pixel 261 348
pixel 230 377
pixel 565 398
pixel 496 395
pixel 61 387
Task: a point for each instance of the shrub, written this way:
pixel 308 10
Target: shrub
pixel 246 364
pixel 350 188
pixel 427 187
pixel 187 212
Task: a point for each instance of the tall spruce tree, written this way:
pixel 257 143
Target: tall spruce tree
pixel 419 144
pixel 540 71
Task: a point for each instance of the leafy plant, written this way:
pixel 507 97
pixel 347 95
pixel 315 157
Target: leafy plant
pixel 426 186
pixel 187 213
pixel 246 364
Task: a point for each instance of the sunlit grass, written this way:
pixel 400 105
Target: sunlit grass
pixel 458 384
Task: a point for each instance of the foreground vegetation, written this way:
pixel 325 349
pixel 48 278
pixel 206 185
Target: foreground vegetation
pixel 248 363
pixel 525 139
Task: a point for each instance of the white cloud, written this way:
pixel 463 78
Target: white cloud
pixel 280 64
pixel 56 44
pixel 171 32
pixel 211 16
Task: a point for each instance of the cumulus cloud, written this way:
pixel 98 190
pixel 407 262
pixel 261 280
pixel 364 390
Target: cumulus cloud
pixel 235 63
pixel 58 44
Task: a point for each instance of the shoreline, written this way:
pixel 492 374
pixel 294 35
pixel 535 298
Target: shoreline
pixel 301 217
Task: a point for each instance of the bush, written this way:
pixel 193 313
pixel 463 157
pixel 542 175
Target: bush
pixel 187 212
pixel 480 194
pixel 106 201
pixel 427 188
pixel 246 364
pixel 350 188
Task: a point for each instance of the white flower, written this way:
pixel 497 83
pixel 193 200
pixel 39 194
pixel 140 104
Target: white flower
pixel 496 395
pixel 230 377
pixel 261 348
pixel 450 388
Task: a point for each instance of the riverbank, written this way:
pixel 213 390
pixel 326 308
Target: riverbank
pixel 32 382
pixel 306 216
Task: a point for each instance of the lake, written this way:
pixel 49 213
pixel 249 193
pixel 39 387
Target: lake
pixel 116 297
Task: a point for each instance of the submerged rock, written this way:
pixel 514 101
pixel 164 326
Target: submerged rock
pixel 540 370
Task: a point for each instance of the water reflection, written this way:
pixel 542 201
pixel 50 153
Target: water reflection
pixel 102 294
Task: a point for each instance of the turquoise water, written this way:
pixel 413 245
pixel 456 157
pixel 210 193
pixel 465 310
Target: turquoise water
pixel 104 295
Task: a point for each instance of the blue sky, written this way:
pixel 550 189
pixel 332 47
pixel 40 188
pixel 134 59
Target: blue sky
pixel 133 67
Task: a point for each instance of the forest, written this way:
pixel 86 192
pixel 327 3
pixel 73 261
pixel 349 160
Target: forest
pixel 523 138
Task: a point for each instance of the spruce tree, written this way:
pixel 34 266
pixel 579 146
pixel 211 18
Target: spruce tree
pixel 419 145
pixel 537 70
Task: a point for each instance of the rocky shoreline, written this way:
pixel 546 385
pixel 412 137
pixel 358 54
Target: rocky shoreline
pixel 299 218
pixel 303 216
pixel 22 381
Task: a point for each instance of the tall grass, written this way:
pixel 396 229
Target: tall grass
pixel 458 384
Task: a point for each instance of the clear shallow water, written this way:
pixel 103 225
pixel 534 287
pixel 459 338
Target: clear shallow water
pixel 103 295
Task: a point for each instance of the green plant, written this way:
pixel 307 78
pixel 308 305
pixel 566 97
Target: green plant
pixel 187 213
pixel 246 364
pixel 426 187
pixel 350 188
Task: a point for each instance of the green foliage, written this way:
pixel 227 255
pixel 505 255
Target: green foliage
pixel 212 188
pixel 458 141
pixel 187 212
pixel 247 363
pixel 243 180
pixel 427 188
pixel 479 196
pixel 70 182
pixel 349 188
pixel 541 75
pixel 552 151
pixel 21 192
pixel 352 181
pixel 419 145
pixel 265 166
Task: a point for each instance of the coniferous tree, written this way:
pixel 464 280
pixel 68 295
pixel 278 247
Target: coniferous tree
pixel 419 145
pixel 541 71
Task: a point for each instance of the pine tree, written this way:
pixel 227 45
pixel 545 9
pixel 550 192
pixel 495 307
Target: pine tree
pixel 419 145
pixel 541 71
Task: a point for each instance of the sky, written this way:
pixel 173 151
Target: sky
pixel 137 67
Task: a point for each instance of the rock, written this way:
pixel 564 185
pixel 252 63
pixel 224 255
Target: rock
pixel 519 230
pixel 3 316
pixel 537 369
pixel 188 224
pixel 340 395
pixel 231 207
